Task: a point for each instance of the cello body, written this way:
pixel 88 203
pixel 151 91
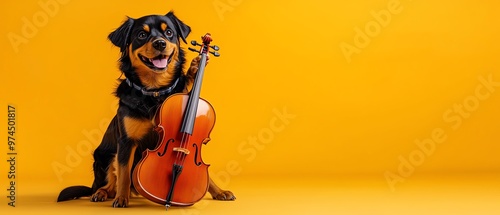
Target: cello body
pixel 152 176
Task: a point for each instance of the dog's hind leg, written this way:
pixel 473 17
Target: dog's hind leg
pixel 108 190
pixel 124 182
pixel 104 169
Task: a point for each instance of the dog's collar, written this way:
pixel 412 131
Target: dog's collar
pixel 153 93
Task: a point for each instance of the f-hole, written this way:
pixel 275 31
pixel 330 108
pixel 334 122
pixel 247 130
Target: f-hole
pixel 198 163
pixel 166 146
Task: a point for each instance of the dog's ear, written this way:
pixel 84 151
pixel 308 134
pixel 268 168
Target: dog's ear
pixel 182 28
pixel 121 35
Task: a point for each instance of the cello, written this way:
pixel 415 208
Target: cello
pixel 174 172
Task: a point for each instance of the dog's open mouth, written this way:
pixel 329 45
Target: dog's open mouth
pixel 159 62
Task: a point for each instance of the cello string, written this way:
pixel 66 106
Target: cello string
pixel 183 146
pixel 185 138
pixel 178 155
pixel 184 155
pixel 181 156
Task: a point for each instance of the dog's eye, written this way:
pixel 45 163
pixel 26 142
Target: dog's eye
pixel 169 33
pixel 142 35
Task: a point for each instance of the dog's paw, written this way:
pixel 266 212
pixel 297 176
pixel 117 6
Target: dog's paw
pixel 120 202
pixel 193 68
pixel 100 195
pixel 195 64
pixel 225 195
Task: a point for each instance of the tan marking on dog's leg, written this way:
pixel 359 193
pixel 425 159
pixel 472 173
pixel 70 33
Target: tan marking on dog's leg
pixel 108 190
pixel 111 178
pixel 136 128
pixel 213 189
pixel 123 185
pixel 218 193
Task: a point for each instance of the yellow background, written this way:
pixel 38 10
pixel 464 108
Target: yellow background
pixel 351 118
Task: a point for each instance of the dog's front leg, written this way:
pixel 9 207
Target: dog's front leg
pixel 218 193
pixel 191 72
pixel 126 151
pixel 134 130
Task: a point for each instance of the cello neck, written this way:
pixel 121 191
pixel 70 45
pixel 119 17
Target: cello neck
pixel 194 96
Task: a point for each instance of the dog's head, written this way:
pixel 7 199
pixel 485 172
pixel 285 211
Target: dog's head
pixel 150 48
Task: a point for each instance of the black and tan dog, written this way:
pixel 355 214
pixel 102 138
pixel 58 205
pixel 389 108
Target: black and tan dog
pixel 152 62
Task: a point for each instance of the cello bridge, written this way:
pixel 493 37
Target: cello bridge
pixel 183 150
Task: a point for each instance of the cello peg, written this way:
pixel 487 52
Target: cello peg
pixel 194 43
pixel 214 47
pixel 216 54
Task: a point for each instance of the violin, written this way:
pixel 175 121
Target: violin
pixel 174 172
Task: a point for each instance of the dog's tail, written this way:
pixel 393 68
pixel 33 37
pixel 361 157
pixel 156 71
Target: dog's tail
pixel 74 192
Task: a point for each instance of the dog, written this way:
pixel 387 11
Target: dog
pixel 152 62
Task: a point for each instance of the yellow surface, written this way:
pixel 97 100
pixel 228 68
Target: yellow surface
pixel 393 98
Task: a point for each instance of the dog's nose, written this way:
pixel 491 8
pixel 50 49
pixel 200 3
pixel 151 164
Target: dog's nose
pixel 159 44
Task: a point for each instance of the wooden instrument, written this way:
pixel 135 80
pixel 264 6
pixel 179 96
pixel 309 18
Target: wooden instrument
pixel 174 173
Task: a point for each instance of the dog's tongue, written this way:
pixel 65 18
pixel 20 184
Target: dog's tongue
pixel 160 63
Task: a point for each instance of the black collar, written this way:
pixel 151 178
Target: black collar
pixel 153 93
